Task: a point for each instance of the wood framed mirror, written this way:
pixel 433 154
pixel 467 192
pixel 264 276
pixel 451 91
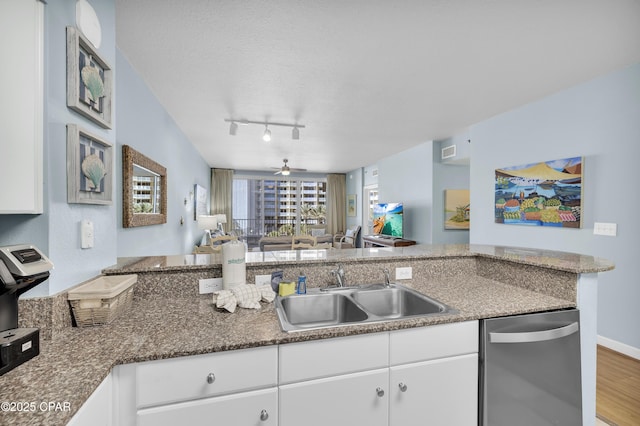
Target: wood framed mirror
pixel 144 190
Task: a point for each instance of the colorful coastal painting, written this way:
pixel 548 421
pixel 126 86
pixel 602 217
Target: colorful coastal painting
pixel 548 193
pixel 456 208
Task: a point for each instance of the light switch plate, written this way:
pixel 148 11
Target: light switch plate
pixel 86 234
pixel 404 273
pixel 209 285
pixel 609 229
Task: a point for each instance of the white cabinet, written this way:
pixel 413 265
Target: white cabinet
pixel 421 376
pixel 341 381
pixel 439 392
pixel 245 408
pixel 233 387
pixel 97 410
pixel 21 106
pixel 434 375
pixel 346 400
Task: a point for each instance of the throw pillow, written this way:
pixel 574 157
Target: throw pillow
pixel 317 232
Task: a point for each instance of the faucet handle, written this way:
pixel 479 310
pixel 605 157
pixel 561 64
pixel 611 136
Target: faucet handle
pixel 387 280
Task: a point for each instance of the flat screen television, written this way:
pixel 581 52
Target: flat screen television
pixel 388 220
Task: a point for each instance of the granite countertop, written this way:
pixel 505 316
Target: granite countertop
pixel 71 366
pixel 76 361
pixel 561 261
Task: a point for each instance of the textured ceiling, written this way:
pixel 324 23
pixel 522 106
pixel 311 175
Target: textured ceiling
pixel 368 78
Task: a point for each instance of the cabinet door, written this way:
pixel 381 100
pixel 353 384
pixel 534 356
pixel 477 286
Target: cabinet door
pixel 257 408
pixel 21 106
pixel 348 400
pixel 438 392
pixel 97 410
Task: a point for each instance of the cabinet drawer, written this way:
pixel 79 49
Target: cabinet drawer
pixel 248 408
pixel 438 341
pixel 178 379
pixel 331 357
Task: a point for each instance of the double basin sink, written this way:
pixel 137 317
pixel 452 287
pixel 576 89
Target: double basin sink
pixel 340 306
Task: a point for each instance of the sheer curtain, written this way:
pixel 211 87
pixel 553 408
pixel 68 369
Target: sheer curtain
pixel 336 203
pixel 221 191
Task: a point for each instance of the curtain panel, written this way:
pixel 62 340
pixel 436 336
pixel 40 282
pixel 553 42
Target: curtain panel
pixel 336 203
pixel 221 194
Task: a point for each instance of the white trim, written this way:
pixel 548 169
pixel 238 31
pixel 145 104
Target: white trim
pixel 619 347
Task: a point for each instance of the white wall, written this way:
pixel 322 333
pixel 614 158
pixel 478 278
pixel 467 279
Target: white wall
pixel 599 120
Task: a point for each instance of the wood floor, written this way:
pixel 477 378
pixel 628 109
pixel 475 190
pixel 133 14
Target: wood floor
pixel 618 388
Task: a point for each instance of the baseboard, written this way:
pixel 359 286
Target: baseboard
pixel 619 347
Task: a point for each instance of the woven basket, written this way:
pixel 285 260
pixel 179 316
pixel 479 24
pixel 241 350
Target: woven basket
pixel 102 300
pixel 87 313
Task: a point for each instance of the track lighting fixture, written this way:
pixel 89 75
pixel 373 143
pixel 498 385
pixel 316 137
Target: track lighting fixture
pixel 295 132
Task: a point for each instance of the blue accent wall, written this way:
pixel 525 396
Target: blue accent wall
pixel 600 121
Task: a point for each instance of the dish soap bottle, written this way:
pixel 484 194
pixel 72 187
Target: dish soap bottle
pixel 302 283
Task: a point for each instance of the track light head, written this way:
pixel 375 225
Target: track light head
pixel 267 134
pixel 295 134
pixel 233 128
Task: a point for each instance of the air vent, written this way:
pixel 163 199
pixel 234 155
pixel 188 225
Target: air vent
pixel 448 152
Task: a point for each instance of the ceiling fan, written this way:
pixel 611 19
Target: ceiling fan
pixel 285 169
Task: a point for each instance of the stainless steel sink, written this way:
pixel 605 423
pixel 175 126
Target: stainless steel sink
pixel 319 310
pixel 322 308
pixel 396 302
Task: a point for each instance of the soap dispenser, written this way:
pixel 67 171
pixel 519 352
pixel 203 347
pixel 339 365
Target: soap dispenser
pixel 302 284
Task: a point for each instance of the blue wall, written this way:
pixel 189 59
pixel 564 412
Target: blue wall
pixel 407 177
pixel 600 121
pixel 144 125
pixel 138 120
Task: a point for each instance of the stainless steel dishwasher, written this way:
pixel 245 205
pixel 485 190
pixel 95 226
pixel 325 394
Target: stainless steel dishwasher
pixel 530 370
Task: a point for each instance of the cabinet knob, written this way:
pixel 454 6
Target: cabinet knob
pixel 264 416
pixel 380 392
pixel 402 386
pixel 211 378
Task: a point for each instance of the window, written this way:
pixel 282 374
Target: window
pixel 267 206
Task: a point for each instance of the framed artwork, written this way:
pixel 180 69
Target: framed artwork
pixel 200 200
pixel 456 208
pixel 548 193
pixel 89 168
pixel 144 190
pixel 89 80
pixel 351 205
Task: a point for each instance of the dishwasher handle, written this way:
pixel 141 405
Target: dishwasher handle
pixel 534 336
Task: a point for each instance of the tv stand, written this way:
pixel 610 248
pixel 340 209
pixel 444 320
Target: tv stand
pixel 382 241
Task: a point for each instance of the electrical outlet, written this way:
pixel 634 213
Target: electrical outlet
pixel 209 285
pixel 609 229
pixel 404 273
pixel 263 280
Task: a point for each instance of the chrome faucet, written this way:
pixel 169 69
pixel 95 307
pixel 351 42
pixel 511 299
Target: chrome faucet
pixel 387 282
pixel 339 274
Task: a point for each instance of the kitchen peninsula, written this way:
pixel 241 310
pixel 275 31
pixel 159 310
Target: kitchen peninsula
pixel 170 319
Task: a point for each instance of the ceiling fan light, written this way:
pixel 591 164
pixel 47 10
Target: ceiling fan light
pixel 285 173
pixel 233 128
pixel 295 134
pixel 267 134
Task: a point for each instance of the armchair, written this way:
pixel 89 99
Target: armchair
pixel 348 239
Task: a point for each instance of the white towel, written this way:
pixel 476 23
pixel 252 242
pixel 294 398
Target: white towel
pixel 245 296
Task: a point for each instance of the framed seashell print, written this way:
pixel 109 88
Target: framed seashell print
pixel 89 80
pixel 89 168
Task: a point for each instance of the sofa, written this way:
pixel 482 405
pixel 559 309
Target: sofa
pixel 283 242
